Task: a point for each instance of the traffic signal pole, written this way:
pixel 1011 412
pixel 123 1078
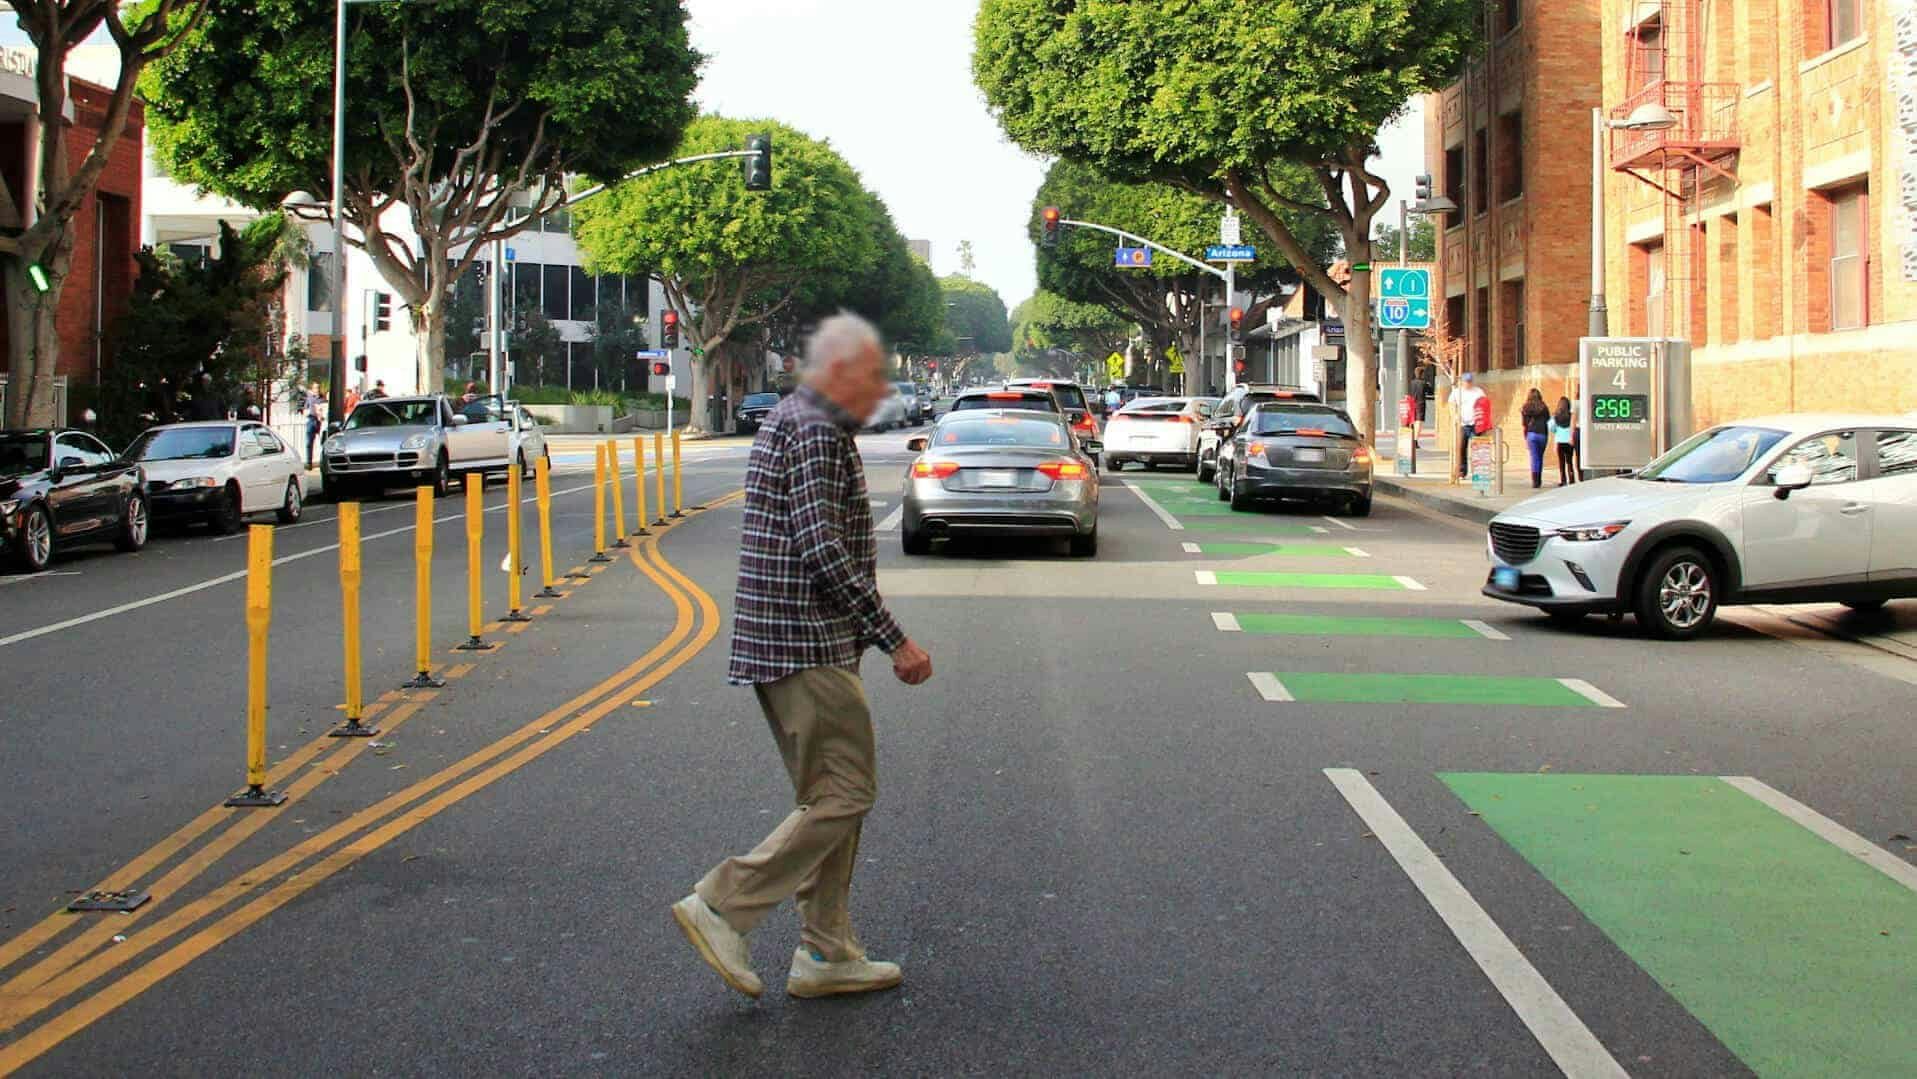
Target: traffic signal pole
pixel 1227 275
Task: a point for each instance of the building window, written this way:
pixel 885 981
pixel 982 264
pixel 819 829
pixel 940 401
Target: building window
pixel 1654 291
pixel 525 288
pixel 319 282
pixel 1480 171
pixel 1481 332
pixel 1648 56
pixel 1844 21
pixel 1454 185
pixel 1510 156
pixel 1512 13
pixel 553 299
pixel 585 307
pixel 1849 266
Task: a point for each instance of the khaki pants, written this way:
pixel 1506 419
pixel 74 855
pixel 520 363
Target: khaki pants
pixel 823 727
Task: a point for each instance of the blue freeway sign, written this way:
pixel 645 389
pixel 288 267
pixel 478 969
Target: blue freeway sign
pixel 1231 253
pixel 1400 313
pixel 1132 256
pixel 1403 282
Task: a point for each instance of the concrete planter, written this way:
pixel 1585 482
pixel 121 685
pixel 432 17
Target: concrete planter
pixel 573 419
pixel 655 419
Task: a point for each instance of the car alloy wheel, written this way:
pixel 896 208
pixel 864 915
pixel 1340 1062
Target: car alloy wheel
pixel 229 517
pixel 36 544
pixel 1685 594
pixel 291 508
pixel 134 525
pixel 1677 596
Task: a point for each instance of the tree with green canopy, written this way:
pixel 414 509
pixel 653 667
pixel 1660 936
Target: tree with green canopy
pixel 1421 240
pixel 1055 336
pixel 465 119
pixel 36 259
pixel 1217 95
pixel 975 320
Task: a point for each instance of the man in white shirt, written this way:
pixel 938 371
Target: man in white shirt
pixel 1464 404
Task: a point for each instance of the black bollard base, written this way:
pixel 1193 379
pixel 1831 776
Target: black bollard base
pixel 621 544
pixel 548 592
pixel 515 615
pixel 474 644
pixel 600 557
pixel 256 798
pixel 110 902
pixel 352 728
pixel 423 680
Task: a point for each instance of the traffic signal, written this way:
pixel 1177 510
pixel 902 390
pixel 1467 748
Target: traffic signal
pixel 1237 324
pixel 1423 188
pixel 758 168
pixel 1051 226
pixel 933 366
pixel 359 363
pixel 382 312
pixel 1238 367
pixel 669 330
pixel 661 367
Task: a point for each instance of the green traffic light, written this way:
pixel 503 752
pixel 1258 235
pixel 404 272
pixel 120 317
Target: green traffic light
pixel 37 274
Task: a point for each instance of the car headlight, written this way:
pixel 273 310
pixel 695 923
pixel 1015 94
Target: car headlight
pixel 8 509
pixel 415 442
pixel 334 445
pixel 193 481
pixel 1592 533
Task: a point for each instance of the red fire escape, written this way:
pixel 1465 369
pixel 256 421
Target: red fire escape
pixel 1666 56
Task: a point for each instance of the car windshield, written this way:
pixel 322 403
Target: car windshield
pixel 22 454
pixel 760 400
pixel 1000 431
pixel 905 388
pixel 183 444
pixel 1718 455
pixel 418 413
pixel 1037 401
pixel 1301 419
pixel 1153 404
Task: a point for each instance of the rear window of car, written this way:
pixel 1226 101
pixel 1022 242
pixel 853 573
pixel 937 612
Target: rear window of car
pixel 759 400
pixel 1155 404
pixel 1036 400
pixel 999 431
pixel 1296 419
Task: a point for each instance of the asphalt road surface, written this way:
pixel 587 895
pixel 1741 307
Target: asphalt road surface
pixel 1271 793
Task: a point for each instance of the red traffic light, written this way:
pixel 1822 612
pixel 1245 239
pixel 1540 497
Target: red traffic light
pixel 669 329
pixel 934 365
pixel 1237 316
pixel 661 367
pixel 1050 219
pixel 1238 367
pixel 672 318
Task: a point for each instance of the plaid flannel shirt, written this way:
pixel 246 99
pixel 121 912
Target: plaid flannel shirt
pixel 808 592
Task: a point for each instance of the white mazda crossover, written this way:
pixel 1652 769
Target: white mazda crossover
pixel 1779 509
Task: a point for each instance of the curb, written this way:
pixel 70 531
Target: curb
pixel 1452 507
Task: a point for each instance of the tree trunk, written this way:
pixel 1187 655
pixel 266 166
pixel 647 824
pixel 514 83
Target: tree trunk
pixel 33 339
pixel 1361 350
pixel 703 371
pixel 429 342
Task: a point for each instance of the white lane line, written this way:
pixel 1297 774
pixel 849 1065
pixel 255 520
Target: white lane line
pixel 1409 584
pixel 16 578
pixel 1320 529
pixel 1204 576
pixel 1227 623
pixel 1357 552
pixel 1150 504
pixel 1483 629
pixel 891 522
pixel 1829 830
pixel 1341 524
pixel 1570 1044
pixel 1268 686
pixel 1590 692
pixel 1192 548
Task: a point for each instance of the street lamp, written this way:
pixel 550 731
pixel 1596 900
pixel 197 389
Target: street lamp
pixel 1650 116
pixel 1428 205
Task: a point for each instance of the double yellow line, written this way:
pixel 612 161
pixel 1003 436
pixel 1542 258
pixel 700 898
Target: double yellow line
pixel 81 962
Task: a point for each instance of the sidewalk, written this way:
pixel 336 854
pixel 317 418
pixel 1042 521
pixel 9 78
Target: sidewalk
pixel 1433 487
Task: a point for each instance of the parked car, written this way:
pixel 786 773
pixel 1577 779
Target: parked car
pixel 1001 472
pixel 1215 437
pixel 915 407
pixel 1031 398
pixel 890 413
pixel 219 472
pixel 61 488
pixel 1779 509
pixel 1071 399
pixel 753 409
pixel 412 440
pixel 1155 431
pixel 1294 450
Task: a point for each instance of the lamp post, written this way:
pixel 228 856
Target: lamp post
pixel 1649 116
pixel 1436 204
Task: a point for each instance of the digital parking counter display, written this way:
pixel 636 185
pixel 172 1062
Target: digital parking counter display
pixel 1620 408
pixel 1618 378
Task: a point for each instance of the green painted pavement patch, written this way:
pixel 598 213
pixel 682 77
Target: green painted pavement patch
pixel 1798 957
pixel 1292 550
pixel 1254 527
pixel 1251 579
pixel 1528 691
pixel 1319 625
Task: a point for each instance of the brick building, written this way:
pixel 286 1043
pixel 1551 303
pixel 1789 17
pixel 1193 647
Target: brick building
pixel 106 231
pixel 1510 143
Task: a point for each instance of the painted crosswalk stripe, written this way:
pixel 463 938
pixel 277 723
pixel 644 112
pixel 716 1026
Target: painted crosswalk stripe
pixel 1225 621
pixel 1483 629
pixel 1152 504
pixel 1268 686
pixel 1358 552
pixel 1591 693
pixel 1410 585
pixel 1563 1036
pixel 1205 576
pixel 1192 548
pixel 1329 625
pixel 891 522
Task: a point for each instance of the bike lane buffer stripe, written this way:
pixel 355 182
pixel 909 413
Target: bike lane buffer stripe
pixel 1247 579
pixel 1522 691
pixel 1324 625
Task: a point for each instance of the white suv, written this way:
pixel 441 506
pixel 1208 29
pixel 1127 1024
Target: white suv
pixel 1781 509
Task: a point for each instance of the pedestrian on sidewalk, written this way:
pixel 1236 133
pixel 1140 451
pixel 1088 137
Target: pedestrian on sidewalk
pixel 1563 435
pixel 1464 405
pixel 1537 433
pixel 315 409
pixel 807 607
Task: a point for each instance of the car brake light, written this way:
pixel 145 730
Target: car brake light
pixel 1310 432
pixel 1005 397
pixel 930 470
pixel 1063 470
pixel 1257 449
pixel 1363 456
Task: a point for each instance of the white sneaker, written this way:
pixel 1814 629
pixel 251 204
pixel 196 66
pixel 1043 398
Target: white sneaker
pixel 723 949
pixel 817 978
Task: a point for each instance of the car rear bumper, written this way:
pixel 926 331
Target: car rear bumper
pixel 1052 514
pixel 1263 481
pixel 193 502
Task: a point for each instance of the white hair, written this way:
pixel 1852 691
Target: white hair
pixel 840 339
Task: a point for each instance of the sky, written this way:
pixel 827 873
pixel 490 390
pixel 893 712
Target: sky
pixel 889 85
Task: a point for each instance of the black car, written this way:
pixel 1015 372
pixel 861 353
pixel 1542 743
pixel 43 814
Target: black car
pixel 1295 450
pixel 59 488
pixel 1033 398
pixel 752 410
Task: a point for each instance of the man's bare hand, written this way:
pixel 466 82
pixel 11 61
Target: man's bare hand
pixel 911 664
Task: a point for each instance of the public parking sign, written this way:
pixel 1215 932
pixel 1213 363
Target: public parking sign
pixel 1618 377
pixel 1404 299
pixel 1132 256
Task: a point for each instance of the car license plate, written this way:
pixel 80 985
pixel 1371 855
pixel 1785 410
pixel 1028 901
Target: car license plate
pixel 1312 455
pixel 1505 577
pixel 998 479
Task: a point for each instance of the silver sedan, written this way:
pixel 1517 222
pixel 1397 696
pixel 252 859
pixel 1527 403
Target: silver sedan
pixel 1002 472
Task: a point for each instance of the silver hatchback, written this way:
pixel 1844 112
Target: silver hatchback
pixel 1002 472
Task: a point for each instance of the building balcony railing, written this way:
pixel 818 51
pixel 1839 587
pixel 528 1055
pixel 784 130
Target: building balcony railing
pixel 1706 128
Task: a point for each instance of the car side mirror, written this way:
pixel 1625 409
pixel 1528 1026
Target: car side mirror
pixel 460 421
pixel 67 464
pixel 917 445
pixel 1092 446
pixel 1791 477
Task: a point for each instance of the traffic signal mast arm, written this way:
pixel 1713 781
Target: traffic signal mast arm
pixel 573 200
pixel 1222 275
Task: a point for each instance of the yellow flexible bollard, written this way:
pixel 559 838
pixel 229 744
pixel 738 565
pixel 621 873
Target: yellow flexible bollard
pixel 542 479
pixel 599 505
pixel 423 591
pixel 639 485
pixel 678 485
pixel 659 466
pixel 259 619
pixel 475 571
pixel 349 578
pixel 618 500
pixel 516 566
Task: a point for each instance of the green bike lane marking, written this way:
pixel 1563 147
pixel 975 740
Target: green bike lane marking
pixel 1793 940
pixel 1289 550
pixel 1475 689
pixel 1255 527
pixel 1251 579
pixel 1324 625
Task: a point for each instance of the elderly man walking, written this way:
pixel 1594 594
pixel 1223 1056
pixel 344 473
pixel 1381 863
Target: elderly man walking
pixel 807 608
